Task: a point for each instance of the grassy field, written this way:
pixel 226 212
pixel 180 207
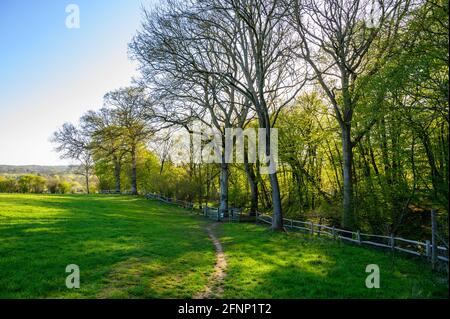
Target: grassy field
pixel 130 247
pixel 264 264
pixel 125 247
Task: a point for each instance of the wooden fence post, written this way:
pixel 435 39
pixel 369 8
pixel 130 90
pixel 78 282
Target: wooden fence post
pixel 433 239
pixel 292 223
pixel 312 228
pixel 358 237
pixel 392 242
pixel 333 232
pixel 427 249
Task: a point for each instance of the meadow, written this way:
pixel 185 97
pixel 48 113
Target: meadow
pixel 130 247
pixel 266 264
pixel 125 247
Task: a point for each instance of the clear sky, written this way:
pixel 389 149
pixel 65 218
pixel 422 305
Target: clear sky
pixel 50 74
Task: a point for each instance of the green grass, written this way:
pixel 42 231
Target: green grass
pixel 264 264
pixel 125 247
pixel 129 247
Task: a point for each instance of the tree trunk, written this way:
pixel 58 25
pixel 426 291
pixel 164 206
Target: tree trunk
pixel 254 196
pixel 133 172
pixel 347 154
pixel 277 217
pixel 251 177
pixel 87 180
pixel 277 214
pixel 223 208
pixel 264 198
pixel 162 166
pixel 200 188
pixel 208 184
pixel 117 169
pixel 435 176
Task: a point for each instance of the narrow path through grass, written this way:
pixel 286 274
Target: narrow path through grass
pixel 214 287
pixel 130 247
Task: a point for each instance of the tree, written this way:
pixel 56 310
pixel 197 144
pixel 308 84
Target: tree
pixel 129 108
pixel 31 184
pixel 235 55
pixel 184 63
pixel 342 41
pixel 269 75
pixel 107 139
pixel 73 143
pixel 8 185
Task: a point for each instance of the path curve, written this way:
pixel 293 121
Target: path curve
pixel 213 288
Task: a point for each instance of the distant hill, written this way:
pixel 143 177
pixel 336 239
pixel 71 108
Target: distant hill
pixel 37 169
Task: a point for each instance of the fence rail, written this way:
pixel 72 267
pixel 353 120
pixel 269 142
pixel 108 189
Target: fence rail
pixel 413 247
pixel 428 249
pixel 109 191
pixel 114 192
pixel 233 214
pixel 182 203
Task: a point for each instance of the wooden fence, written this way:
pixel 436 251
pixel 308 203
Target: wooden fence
pixel 414 247
pixel 232 214
pixel 114 192
pixel 182 203
pixel 108 191
pixel 428 249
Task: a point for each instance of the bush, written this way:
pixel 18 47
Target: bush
pixel 56 185
pixel 8 185
pixel 31 184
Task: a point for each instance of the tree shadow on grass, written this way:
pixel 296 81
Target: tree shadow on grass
pixel 263 264
pixel 100 234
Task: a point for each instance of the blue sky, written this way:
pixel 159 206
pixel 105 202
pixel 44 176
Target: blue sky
pixel 50 74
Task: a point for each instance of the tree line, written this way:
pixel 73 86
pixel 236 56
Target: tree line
pixel 357 89
pixel 38 184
